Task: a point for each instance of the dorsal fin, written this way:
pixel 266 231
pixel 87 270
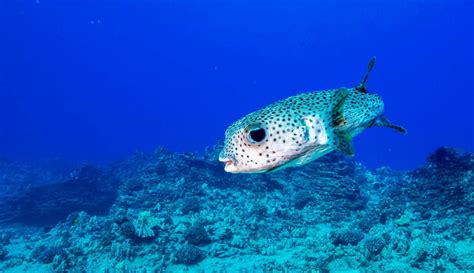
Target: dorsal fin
pixel 362 86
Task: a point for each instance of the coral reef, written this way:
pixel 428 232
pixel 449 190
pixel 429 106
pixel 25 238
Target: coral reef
pixel 144 225
pixel 168 212
pixel 46 254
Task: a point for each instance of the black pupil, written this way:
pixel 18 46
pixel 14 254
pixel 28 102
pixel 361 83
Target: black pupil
pixel 257 135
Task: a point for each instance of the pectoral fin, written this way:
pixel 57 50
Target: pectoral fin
pixel 343 142
pixel 340 96
pixel 383 121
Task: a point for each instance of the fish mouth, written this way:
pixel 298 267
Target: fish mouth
pixel 228 161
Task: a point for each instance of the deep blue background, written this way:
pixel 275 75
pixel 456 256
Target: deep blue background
pixel 96 80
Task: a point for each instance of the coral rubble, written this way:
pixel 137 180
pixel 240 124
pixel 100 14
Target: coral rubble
pixel 168 212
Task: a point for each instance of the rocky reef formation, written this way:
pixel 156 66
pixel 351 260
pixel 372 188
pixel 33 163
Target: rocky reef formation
pixel 167 212
pixel 19 176
pixel 88 189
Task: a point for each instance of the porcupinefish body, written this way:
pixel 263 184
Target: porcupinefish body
pixel 302 128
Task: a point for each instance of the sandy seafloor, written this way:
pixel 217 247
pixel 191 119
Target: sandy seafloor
pixel 168 212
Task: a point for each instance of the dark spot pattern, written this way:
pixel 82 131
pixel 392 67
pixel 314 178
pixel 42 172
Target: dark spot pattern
pixel 283 122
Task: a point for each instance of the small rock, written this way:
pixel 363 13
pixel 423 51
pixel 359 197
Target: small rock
pixel 301 199
pixel 375 245
pixel 197 235
pixel 347 237
pixel 191 205
pixel 189 255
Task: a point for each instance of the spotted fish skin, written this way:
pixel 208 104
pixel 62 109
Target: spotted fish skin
pixel 301 128
pixel 298 129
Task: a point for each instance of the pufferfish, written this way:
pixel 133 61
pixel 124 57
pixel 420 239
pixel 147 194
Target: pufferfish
pixel 302 128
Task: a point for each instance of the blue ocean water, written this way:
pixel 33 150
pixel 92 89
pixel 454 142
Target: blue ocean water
pixel 96 80
pixel 113 112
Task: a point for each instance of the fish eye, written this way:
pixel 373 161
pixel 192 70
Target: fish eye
pixel 257 135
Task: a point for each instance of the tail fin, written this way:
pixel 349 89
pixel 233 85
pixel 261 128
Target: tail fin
pixel 362 86
pixel 383 121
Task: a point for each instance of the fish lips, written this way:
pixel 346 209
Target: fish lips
pixel 230 163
